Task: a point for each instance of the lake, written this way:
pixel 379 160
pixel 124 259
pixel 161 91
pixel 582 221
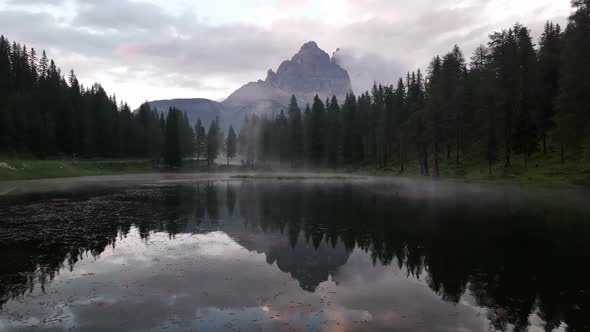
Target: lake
pixel 223 254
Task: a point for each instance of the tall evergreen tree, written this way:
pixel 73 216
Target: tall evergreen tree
pixel 213 142
pixel 333 129
pixel 525 133
pixel 574 100
pixel 200 143
pixel 172 146
pixel 295 123
pixel 549 68
pixel 483 101
pixel 436 94
pixel 230 144
pixel 317 134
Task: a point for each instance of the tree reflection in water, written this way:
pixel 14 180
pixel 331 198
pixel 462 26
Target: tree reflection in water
pixel 514 258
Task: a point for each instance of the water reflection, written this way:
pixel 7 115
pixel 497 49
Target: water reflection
pixel 272 255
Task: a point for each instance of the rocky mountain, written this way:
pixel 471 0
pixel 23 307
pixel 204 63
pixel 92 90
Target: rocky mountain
pixel 309 72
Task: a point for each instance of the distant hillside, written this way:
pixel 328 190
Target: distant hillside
pixel 195 108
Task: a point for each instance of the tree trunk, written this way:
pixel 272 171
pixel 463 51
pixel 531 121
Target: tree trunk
pixel 401 165
pixel 562 153
pixel 544 135
pixel 507 153
pixel 425 160
pixel 457 145
pixel 436 168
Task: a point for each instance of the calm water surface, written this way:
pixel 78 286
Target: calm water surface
pixel 221 255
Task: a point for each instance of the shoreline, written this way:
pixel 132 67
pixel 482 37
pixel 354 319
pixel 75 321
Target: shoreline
pixel 19 171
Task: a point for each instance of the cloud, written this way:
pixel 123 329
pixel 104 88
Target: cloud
pixel 366 68
pixel 123 15
pixel 176 49
pixel 36 2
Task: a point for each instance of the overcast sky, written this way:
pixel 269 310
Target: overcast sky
pixel 148 49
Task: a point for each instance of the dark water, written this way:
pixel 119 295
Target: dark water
pixel 295 256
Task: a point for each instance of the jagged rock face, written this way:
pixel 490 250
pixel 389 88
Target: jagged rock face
pixel 309 72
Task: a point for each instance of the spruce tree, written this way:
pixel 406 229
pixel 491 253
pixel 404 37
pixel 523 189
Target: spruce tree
pixel 200 140
pixel 333 129
pixel 213 142
pixel 435 91
pixel 230 144
pixel 172 145
pixel 317 133
pixel 549 68
pixel 295 125
pixel 525 132
pixel 573 101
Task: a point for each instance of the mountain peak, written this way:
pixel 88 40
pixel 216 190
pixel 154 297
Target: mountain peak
pixel 309 72
pixel 309 45
pixel 310 54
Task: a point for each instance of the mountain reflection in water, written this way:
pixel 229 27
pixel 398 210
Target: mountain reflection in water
pixel 250 255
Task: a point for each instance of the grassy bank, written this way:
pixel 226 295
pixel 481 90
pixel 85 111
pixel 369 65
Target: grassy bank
pixel 39 169
pixel 541 169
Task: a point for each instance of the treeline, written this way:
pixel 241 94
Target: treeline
pixel 509 99
pixel 43 114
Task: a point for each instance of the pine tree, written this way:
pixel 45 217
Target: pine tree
pixel 350 138
pixel 435 91
pixel 43 65
pixel 187 138
pixel 573 101
pixel 295 124
pixel 212 142
pixel 317 133
pixel 525 132
pixel 6 119
pixel 172 145
pixel 483 98
pixel 333 129
pixel 200 140
pixel 399 120
pixel 453 68
pixel 230 144
pixel 307 134
pixel 504 55
pixel 281 137
pixel 549 68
